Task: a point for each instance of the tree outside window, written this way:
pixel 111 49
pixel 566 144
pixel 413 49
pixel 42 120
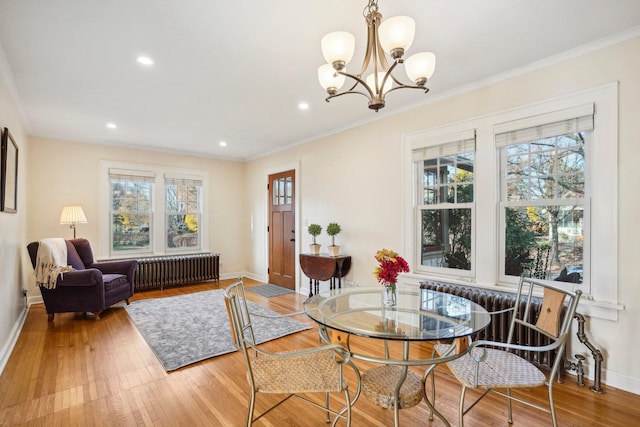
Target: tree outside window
pixel 543 190
pixel 182 198
pixel 130 214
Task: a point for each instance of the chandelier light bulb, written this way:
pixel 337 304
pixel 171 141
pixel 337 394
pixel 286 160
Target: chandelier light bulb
pixel 420 67
pixel 338 48
pixel 396 35
pixel 372 83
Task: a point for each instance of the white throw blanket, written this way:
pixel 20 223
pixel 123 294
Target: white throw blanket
pixel 51 262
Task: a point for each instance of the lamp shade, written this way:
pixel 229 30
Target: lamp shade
pixel 72 215
pixel 338 47
pixel 329 78
pixel 397 33
pixel 420 66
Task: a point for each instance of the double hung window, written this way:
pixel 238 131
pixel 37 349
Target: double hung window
pixel 543 199
pixel 445 203
pixel 151 210
pixel 131 214
pixel 183 212
pixel 540 184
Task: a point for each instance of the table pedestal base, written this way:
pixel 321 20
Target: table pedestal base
pixel 379 385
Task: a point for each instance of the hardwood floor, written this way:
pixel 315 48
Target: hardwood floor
pixel 79 372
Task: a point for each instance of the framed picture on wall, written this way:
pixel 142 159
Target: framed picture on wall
pixel 9 174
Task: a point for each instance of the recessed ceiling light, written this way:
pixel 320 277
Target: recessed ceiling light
pixel 111 125
pixel 223 144
pixel 144 60
pixel 303 106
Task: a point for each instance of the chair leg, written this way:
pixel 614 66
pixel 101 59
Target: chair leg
pixel 252 404
pixel 433 393
pixel 552 407
pixel 326 405
pixel 348 401
pixel 50 317
pixel 509 413
pixel 461 407
pixel 97 315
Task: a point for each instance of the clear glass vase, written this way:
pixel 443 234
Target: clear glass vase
pixel 390 295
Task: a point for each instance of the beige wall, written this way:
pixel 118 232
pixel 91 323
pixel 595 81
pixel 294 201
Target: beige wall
pixel 66 173
pixel 12 226
pixel 355 178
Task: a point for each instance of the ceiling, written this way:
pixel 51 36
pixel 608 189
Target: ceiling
pixel 236 71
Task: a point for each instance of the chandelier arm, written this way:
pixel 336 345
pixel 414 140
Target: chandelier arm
pixel 388 74
pixel 370 51
pixel 347 92
pixel 381 55
pixel 403 86
pixel 400 85
pixel 358 80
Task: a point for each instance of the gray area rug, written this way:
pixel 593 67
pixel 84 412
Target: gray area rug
pixel 268 290
pixel 186 329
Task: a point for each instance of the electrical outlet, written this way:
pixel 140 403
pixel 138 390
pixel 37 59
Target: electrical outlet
pixel 24 292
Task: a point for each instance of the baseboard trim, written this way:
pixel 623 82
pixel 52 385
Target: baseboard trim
pixel 8 347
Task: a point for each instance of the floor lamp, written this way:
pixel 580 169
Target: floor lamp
pixel 72 215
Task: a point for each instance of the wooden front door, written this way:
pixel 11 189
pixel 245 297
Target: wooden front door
pixel 282 252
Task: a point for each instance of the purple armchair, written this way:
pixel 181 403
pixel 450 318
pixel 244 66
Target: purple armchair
pixel 91 286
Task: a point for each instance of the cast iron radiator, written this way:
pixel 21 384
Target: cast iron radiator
pixel 498 329
pixel 173 270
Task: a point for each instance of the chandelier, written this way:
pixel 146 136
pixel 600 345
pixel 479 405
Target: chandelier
pixel 393 36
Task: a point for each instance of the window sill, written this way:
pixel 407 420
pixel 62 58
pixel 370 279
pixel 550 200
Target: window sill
pixel 588 306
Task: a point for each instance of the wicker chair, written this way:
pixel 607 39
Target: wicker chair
pixel 494 365
pixel 313 370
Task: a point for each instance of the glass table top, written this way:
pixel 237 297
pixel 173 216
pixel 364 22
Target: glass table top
pixel 420 314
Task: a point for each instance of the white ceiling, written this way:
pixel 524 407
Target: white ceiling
pixel 236 70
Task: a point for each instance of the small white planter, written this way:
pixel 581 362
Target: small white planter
pixel 314 248
pixel 334 250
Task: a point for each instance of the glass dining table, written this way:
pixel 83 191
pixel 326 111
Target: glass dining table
pixel 419 315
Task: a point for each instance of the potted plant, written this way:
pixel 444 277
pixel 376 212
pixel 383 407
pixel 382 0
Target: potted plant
pixel 332 230
pixel 314 230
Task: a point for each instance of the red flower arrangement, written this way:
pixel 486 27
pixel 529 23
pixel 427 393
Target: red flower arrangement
pixel 391 264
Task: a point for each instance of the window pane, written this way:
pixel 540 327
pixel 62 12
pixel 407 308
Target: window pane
pixel 446 238
pixel 545 242
pixel 448 179
pixel 182 231
pixel 274 192
pixel 288 191
pixel 130 215
pixel 183 215
pixel 131 232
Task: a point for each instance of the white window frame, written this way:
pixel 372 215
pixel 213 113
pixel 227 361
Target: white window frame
pixel 129 175
pixel 191 180
pixel 158 239
pixel 431 148
pixel 601 176
pixel 526 127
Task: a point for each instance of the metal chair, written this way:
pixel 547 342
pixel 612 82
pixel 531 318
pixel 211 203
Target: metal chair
pixel 313 370
pixel 493 365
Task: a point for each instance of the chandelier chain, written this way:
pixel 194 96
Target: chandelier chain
pixel 370 8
